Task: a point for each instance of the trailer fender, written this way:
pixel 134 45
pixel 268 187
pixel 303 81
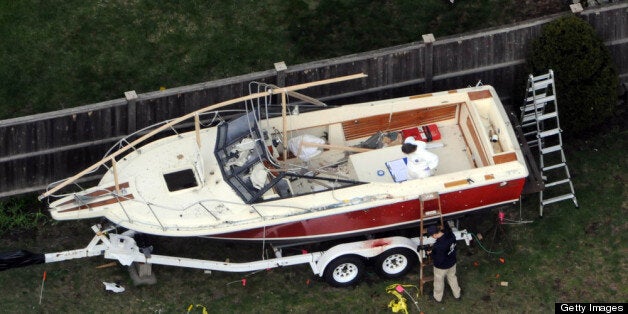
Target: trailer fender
pixel 366 249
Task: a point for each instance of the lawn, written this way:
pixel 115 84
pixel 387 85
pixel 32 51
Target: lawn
pixel 569 255
pixel 59 54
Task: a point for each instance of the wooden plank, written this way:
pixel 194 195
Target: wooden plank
pixel 367 126
pixel 99 203
pixel 476 142
pixel 480 94
pixel 420 96
pixel 337 147
pixel 102 192
pixel 502 158
pixel 456 183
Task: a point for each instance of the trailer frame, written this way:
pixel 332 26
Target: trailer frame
pixel 341 265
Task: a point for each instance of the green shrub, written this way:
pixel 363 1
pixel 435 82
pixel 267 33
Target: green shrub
pixel 586 79
pixel 17 214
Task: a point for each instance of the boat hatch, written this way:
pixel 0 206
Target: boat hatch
pixel 180 180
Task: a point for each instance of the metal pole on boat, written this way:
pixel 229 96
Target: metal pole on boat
pixel 197 129
pixel 115 174
pixel 285 126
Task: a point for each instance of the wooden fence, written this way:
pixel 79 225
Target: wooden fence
pixel 38 149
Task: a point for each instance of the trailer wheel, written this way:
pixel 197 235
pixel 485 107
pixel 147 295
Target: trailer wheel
pixel 344 271
pixel 395 262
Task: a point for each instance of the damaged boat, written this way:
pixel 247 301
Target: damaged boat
pixel 288 177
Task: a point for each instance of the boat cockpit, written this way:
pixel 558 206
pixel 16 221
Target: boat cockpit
pixel 248 166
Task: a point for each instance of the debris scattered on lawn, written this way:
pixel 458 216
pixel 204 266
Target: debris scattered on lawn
pixel 198 305
pixel 41 292
pixel 400 303
pixel 107 265
pixel 114 287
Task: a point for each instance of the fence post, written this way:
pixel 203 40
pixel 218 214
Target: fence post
pixel 428 61
pixel 281 68
pixel 131 99
pixel 576 8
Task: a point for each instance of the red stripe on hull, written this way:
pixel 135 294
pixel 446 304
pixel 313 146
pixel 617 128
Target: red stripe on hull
pixel 382 217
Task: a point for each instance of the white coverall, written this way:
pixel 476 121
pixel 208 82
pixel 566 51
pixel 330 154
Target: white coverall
pixel 421 163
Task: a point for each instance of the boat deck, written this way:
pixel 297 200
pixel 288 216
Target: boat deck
pixel 380 165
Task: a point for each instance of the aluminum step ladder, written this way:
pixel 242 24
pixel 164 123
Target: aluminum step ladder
pixel 541 129
pixel 427 261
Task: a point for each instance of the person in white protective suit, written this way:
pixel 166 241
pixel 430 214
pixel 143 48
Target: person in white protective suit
pixel 421 163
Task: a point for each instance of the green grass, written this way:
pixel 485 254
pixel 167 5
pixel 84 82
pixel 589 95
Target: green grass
pixel 58 54
pixel 21 214
pixel 569 255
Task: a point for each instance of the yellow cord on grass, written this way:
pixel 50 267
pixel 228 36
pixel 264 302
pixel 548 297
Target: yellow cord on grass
pixel 400 305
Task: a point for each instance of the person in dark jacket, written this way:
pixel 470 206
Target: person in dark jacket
pixel 444 257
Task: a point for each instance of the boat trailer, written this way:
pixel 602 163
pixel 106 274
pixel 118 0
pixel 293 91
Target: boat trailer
pixel 341 265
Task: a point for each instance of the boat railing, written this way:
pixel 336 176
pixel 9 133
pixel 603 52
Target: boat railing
pixel 192 115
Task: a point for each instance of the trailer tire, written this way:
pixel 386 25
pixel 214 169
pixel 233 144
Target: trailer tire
pixel 344 271
pixel 395 263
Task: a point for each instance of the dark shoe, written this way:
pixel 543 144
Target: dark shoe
pixel 434 299
pixel 459 298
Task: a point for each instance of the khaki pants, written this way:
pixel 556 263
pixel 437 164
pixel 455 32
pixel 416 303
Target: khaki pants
pixel 439 282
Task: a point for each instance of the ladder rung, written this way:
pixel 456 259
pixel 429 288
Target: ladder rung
pixel 426 262
pixel 529 99
pixel 426 279
pixel 563 181
pixel 541 98
pixel 541 77
pixel 524 125
pixel 562 164
pixel 532 142
pixel 558 198
pixel 551 149
pixel 537 103
pixel 542 84
pixel 530 117
pixel 548 116
pixel 532 107
pixel 428 196
pixel 531 113
pixel 431 213
pixel 549 132
pixel 539 116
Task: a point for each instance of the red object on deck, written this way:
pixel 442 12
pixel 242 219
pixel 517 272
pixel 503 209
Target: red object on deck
pixel 426 133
